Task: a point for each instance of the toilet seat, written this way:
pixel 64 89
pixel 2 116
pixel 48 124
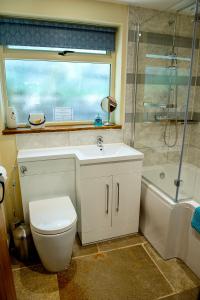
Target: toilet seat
pixel 52 216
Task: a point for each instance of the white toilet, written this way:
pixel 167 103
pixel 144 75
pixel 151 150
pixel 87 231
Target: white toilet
pixel 53 226
pixel 48 199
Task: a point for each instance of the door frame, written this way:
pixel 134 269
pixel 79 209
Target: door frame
pixel 7 288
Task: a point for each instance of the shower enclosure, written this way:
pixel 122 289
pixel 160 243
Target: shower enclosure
pixel 165 96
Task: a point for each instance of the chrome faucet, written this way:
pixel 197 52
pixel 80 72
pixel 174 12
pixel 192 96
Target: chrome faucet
pixel 100 142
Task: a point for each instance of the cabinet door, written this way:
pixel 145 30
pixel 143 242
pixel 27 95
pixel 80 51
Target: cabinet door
pixel 96 205
pixel 126 203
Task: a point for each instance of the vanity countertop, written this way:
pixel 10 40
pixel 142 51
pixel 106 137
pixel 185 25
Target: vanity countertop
pixel 87 154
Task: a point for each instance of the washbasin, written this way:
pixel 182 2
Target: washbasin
pixel 88 154
pixel 111 152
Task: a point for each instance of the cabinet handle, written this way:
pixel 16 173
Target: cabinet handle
pixel 117 208
pixel 107 198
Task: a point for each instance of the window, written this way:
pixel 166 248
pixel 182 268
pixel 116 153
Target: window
pixel 58 68
pixel 66 88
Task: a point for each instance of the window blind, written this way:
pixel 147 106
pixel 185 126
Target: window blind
pixel 37 33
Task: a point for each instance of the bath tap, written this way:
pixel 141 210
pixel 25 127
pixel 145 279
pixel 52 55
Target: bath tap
pixel 100 142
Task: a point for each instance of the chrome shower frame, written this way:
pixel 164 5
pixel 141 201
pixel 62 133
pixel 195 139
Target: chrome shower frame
pixel 135 72
pixel 194 34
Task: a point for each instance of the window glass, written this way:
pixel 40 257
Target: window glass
pixel 64 91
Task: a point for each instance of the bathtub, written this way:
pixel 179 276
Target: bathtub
pixel 165 223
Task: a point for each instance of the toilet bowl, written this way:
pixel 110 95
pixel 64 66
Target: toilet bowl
pixel 53 226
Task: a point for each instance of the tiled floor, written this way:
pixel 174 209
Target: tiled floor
pixel 120 269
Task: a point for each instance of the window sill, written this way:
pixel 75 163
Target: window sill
pixel 60 128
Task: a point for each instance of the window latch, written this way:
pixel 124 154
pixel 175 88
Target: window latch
pixel 63 53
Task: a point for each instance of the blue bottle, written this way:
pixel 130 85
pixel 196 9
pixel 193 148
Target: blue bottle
pixel 98 121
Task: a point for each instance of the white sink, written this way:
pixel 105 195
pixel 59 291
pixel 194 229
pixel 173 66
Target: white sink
pixel 88 154
pixel 109 152
pixel 94 151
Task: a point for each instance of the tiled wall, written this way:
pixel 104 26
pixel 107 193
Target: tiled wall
pixel 193 153
pixel 62 139
pixel 156 41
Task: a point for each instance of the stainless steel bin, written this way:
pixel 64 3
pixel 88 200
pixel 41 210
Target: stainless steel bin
pixel 23 241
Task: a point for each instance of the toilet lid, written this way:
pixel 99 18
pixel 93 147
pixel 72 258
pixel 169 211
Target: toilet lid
pixel 53 215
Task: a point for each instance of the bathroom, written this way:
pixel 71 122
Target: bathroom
pixel 104 188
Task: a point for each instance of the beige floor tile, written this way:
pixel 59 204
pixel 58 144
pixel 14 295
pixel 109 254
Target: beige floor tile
pixel 79 250
pixel 152 252
pixel 121 242
pixel 127 273
pixel 34 283
pixel 193 294
pixel 176 272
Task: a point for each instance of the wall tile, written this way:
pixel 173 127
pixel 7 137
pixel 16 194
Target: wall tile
pixel 87 137
pixel 149 135
pixel 127 132
pixel 194 156
pixel 154 156
pixel 73 138
pixel 129 98
pixel 151 20
pixel 130 57
pixel 194 137
pixel 158 21
pixel 42 140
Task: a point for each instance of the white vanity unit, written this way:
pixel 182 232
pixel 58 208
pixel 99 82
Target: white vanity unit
pixel 108 199
pixel 108 185
pixel 103 183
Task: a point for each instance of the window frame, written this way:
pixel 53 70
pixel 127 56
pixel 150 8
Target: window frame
pixel 18 54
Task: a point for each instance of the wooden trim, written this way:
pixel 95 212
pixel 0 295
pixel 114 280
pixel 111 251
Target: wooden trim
pixel 57 123
pixel 57 129
pixel 7 289
pixel 53 56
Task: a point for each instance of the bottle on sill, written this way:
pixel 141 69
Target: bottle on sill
pixel 98 121
pixel 11 118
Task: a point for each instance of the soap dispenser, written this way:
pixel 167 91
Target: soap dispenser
pixel 98 121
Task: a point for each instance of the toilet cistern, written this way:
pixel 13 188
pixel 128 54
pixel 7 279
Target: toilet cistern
pixel 48 200
pixel 100 142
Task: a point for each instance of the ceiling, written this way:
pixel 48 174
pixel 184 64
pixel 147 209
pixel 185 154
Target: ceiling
pixel 155 4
